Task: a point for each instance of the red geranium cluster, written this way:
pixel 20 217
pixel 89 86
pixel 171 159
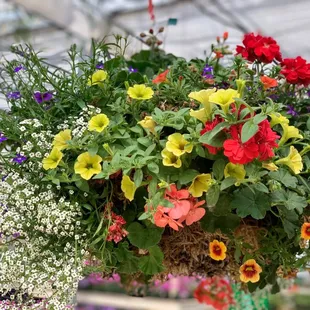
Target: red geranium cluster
pixel 260 146
pixel 257 47
pixel 215 292
pixel 296 70
pixel 116 231
pixel 186 209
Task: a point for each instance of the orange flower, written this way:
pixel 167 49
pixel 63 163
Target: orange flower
pixel 250 271
pixel 217 250
pixel 305 231
pixel 161 78
pixel 268 82
pixel 225 35
pixel 218 54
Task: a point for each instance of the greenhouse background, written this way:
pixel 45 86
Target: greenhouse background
pixel 191 26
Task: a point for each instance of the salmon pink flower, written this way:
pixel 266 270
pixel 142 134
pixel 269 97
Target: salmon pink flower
pixel 162 220
pixel 161 78
pixel 195 213
pixel 268 82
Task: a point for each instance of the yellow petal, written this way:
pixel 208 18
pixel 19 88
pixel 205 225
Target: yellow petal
pixel 169 159
pixel 98 123
pixel 200 184
pixel 277 118
pixel 224 98
pixel 140 92
pixel 128 187
pixel 60 140
pixel 199 114
pixel 178 145
pixel 293 160
pixel 236 171
pixel 97 78
pixel 203 96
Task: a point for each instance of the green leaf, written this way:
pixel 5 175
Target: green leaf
pixel 209 137
pixel 166 203
pixel 213 195
pixel 284 176
pixel 200 151
pixel 222 207
pixel 249 129
pixel 82 185
pixel 150 149
pixel 138 177
pixel 144 216
pixel 251 202
pixel 81 104
pixel 289 199
pixel 128 262
pixel 93 149
pixel 144 237
pixel 152 263
pixel 227 183
pixel 218 169
pixel 144 141
pixel 258 118
pixel 187 176
pixel 226 224
pixel 260 187
pixel 153 167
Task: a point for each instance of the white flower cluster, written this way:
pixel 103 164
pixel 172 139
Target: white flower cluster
pixel 41 243
pixel 79 123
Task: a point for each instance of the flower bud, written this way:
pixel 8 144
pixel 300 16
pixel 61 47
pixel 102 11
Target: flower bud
pixel 159 42
pixel 142 35
pixel 161 29
pixel 151 31
pixel 218 39
pixel 225 35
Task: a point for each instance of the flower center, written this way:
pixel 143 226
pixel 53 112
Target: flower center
pixel 217 250
pixel 89 166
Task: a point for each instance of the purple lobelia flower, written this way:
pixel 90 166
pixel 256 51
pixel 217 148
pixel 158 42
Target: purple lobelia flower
pixel 291 110
pixel 41 97
pixel 2 137
pixel 13 95
pixel 18 68
pixel 19 159
pixel 100 65
pixel 131 69
pixel 16 235
pixel 207 72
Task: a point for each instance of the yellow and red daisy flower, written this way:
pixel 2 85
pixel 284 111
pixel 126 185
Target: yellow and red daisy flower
pixel 249 271
pixel 217 250
pixel 305 231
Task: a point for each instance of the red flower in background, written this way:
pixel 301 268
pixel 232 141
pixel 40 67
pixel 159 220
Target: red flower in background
pixel 161 78
pixel 215 292
pixel 238 152
pixel 266 140
pixel 296 70
pixel 208 127
pixel 257 47
pixel 116 231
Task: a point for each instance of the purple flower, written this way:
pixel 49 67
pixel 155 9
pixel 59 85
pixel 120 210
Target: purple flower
pixel 13 95
pixel 100 65
pixel 40 97
pixel 18 68
pixel 4 178
pixel 16 235
pixel 2 137
pixel 131 69
pixel 19 159
pixel 291 110
pixel 207 72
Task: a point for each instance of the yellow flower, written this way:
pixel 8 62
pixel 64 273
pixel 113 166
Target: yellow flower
pixel 140 92
pixel 288 133
pixel 87 165
pixel 293 160
pixel 128 187
pixel 217 250
pixel 98 123
pixel 236 171
pixel 270 166
pixel 240 86
pixel 178 145
pixel 250 271
pixel 97 78
pixel 169 159
pixel 277 118
pixel 60 140
pixel 224 98
pixel 199 114
pixel 202 96
pixel 148 123
pixel 52 160
pixel 200 184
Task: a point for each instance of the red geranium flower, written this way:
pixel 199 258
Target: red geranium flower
pixel 208 127
pixel 257 47
pixel 238 152
pixel 296 70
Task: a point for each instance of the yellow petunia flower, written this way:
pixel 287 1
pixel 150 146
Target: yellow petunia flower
pixel 293 161
pixel 170 160
pixel 249 271
pixel 203 96
pixel 148 123
pixel 217 250
pixel 98 123
pixel 240 86
pixel 52 160
pixel 97 78
pixel 140 92
pixel 128 187
pixel 277 118
pixel 224 98
pixel 178 145
pixel 236 171
pixel 87 165
pixel 270 166
pixel 288 133
pixel 199 114
pixel 60 140
pixel 200 184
